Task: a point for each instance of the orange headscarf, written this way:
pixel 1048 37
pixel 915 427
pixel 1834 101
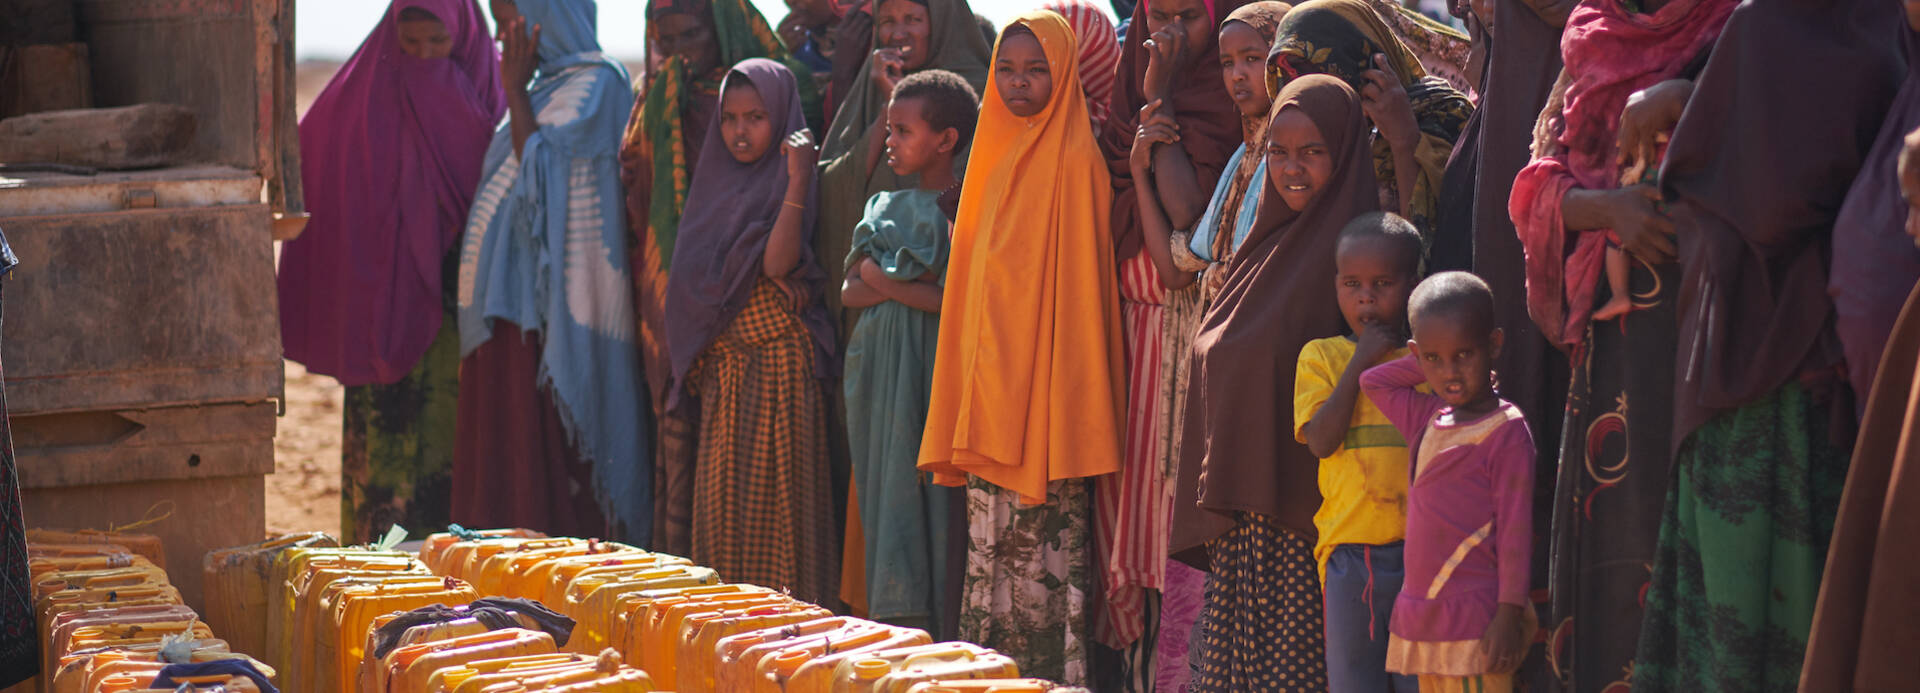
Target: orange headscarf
pixel 1028 386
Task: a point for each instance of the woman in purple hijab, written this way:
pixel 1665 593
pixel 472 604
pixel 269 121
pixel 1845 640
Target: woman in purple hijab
pixel 391 154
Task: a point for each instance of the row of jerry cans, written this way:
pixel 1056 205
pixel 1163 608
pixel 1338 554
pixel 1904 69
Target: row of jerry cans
pixel 326 601
pixel 109 619
pixel 692 634
pixel 463 656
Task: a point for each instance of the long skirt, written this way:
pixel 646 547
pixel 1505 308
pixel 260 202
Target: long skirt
pixel 19 644
pixel 1185 588
pixel 1028 567
pixel 762 509
pixel 1616 464
pixel 1262 627
pixel 1742 545
pixel 514 465
pixel 396 459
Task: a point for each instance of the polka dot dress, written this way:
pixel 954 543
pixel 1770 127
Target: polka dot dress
pixel 1261 627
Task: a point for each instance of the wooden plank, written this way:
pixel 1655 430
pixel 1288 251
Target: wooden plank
pixel 36 21
pixel 52 77
pixel 142 309
pixel 142 136
pixel 201 54
pixel 117 447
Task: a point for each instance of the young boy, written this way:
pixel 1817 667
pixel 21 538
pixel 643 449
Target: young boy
pixel 896 272
pixel 1462 620
pixel 1363 459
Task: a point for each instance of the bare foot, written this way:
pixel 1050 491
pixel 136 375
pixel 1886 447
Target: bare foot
pixel 1614 307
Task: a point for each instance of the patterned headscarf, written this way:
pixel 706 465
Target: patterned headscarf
pixel 1340 38
pixel 1099 53
pixel 655 133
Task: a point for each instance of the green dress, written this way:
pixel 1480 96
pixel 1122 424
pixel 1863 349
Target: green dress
pixel 889 378
pixel 396 457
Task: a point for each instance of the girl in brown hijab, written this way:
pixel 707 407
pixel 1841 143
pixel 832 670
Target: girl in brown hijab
pixel 1261 627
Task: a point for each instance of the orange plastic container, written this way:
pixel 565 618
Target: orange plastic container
pixel 60 630
pixel 144 544
pixel 433 551
pixel 83 672
pixel 817 673
pixel 594 602
pixel 633 611
pixel 237 582
pixel 408 669
pixel 928 667
pixel 768 659
pixel 846 673
pixel 472 559
pixel 663 634
pixel 359 605
pixel 289 577
pixel 986 686
pixel 555 576
pixel 474 677
pixel 700 637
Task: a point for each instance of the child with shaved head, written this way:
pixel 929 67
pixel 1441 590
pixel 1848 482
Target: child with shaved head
pixel 1462 619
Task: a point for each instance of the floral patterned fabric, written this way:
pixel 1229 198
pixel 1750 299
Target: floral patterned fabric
pixel 396 460
pixel 1027 571
pixel 1742 545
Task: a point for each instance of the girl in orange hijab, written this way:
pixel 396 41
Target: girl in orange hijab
pixel 1027 384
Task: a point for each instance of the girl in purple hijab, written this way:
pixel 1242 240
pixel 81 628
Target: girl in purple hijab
pixel 750 343
pixel 391 153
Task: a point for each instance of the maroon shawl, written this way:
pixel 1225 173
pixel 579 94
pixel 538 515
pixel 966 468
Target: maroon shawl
pixel 1209 122
pixel 390 153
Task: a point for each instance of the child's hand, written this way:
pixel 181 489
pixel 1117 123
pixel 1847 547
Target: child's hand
pixel 1376 342
pixel 1155 128
pixel 1384 99
pixel 871 273
pixel 1166 52
pixel 1650 113
pixel 1506 640
pixel 802 155
pixel 519 53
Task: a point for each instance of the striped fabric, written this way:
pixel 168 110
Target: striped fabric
pixel 1135 507
pixel 1099 52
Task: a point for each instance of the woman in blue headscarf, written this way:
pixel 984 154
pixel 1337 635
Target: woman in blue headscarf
pixel 550 385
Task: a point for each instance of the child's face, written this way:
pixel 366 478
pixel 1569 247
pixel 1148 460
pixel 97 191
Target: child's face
pixel 745 126
pixel 913 144
pixel 1299 162
pixel 1243 66
pixel 1194 21
pixel 426 39
pixel 1457 361
pixel 1372 283
pixel 1022 76
pixel 903 24
pixel 690 37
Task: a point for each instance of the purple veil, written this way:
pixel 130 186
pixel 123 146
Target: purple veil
pixel 730 212
pixel 390 155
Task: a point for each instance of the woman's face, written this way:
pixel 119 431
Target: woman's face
pixel 426 39
pixel 905 25
pixel 1299 161
pixel 1243 66
pixel 745 125
pixel 690 37
pixel 1021 74
pixel 1192 16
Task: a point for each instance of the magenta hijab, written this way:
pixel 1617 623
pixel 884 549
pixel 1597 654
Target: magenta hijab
pixel 390 158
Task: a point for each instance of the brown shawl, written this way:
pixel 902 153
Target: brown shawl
pixel 1239 453
pixel 1758 167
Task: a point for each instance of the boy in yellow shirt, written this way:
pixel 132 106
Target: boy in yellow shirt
pixel 1363 458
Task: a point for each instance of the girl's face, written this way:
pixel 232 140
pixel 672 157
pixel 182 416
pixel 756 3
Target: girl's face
pixel 904 24
pixel 745 126
pixel 1193 18
pixel 688 36
pixel 913 144
pixel 1299 162
pixel 1457 360
pixel 1021 74
pixel 426 39
pixel 1243 66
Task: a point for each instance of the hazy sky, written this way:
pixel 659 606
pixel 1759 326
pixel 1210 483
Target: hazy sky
pixel 334 28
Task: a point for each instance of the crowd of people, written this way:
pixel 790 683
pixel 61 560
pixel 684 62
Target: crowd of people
pixel 1235 346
